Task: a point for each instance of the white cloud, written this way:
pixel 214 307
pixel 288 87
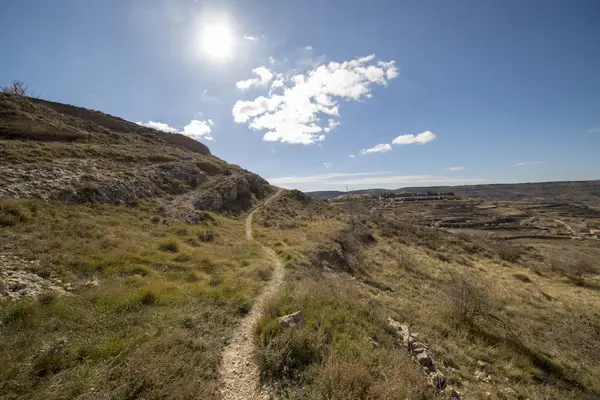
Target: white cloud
pixel 161 126
pixel 292 110
pixel 199 129
pixel 380 148
pixel 272 59
pixel 196 129
pixel 522 164
pixel 332 123
pixel 251 38
pixel 352 156
pixel 308 48
pixel 327 164
pixel 265 76
pixel 455 169
pixel 594 130
pixel 421 138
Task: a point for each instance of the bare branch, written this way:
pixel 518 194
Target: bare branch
pixel 16 87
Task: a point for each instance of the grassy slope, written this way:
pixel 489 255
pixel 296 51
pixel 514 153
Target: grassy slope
pixel 168 298
pixel 539 333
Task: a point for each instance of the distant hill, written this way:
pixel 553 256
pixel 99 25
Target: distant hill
pixel 581 190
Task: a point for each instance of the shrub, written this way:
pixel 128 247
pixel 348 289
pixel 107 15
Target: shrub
pixel 576 269
pixel 12 213
pixel 508 252
pixel 284 355
pixel 17 88
pixel 169 245
pixel 467 299
pixel 206 235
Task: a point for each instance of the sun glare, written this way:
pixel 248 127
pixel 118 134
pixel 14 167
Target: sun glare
pixel 217 41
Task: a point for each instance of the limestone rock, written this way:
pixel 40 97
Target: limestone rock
pixel 292 321
pixel 425 360
pixel 94 282
pixel 507 393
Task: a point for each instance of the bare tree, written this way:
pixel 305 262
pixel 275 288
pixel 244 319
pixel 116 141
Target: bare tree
pixel 16 87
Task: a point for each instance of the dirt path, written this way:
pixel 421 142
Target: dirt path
pixel 239 373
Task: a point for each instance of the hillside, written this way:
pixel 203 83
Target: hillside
pixel 582 190
pixel 56 151
pixel 135 264
pixel 124 266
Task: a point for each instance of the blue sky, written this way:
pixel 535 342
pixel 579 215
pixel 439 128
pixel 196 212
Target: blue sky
pixel 417 92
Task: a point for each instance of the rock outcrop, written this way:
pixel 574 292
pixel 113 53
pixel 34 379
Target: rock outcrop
pixel 421 354
pixel 65 153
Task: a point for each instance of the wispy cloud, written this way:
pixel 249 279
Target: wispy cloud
pixel 252 38
pixel 322 177
pixel 455 169
pixel 522 164
pixel 196 129
pixel 594 129
pixel 421 138
pixel 352 156
pixel 380 148
pixel 328 164
pixel 368 179
pixel 291 111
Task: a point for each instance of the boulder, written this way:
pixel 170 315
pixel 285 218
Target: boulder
pixel 417 347
pixel 293 321
pixel 424 359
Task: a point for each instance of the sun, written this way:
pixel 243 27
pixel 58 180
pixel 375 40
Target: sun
pixel 217 41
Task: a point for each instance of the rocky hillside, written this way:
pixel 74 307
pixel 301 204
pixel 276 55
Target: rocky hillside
pixel 60 152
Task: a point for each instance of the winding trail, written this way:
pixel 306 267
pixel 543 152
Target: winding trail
pixel 239 374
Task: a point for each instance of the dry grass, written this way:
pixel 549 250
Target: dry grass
pixel 537 336
pixel 157 323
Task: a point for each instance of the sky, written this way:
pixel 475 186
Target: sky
pixel 329 95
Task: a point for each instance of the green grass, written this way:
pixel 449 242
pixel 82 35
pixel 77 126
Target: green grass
pixel 155 326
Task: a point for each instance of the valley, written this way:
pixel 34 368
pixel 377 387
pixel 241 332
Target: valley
pixel 136 264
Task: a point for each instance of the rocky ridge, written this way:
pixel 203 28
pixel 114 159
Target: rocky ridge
pixel 60 152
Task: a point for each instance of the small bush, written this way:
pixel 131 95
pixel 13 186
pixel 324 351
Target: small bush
pixel 576 269
pixel 182 231
pixel 182 257
pixel 206 235
pixel 467 299
pixel 169 245
pixel 284 355
pixel 18 313
pixel 508 252
pixel 12 213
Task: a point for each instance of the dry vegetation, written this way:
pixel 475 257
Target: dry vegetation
pixel 496 314
pixel 169 295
